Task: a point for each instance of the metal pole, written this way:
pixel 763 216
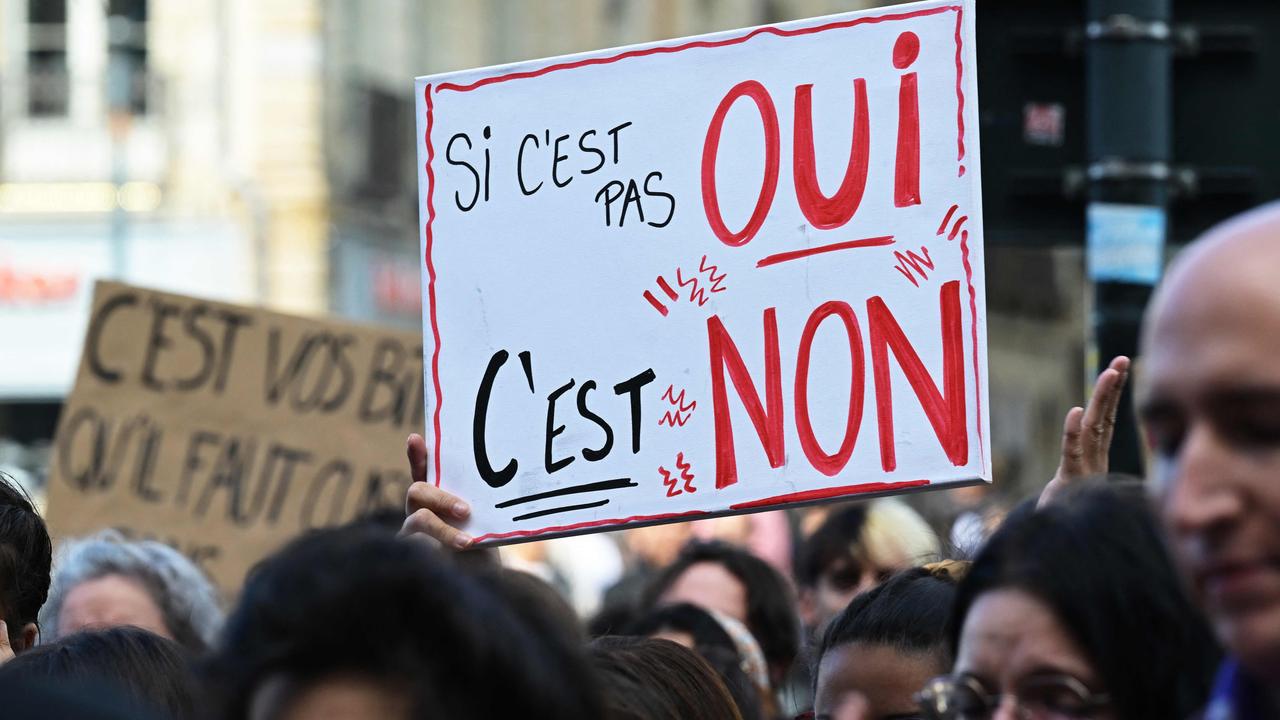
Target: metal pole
pixel 1129 68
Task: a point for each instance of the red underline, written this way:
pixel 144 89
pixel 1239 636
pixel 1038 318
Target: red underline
pixel 846 245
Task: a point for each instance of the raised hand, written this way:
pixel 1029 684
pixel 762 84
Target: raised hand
pixel 1087 432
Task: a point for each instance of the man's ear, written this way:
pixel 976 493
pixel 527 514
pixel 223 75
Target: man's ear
pixel 26 639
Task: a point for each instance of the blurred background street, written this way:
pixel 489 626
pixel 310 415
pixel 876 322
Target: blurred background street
pixel 262 152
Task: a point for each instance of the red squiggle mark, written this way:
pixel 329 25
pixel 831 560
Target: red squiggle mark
pixel 672 482
pixel 680 415
pixel 697 293
pixel 942 226
pixel 712 278
pixel 917 263
pixel 686 473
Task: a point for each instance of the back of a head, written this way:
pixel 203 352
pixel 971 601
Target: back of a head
pixel 715 645
pixel 357 602
pixel 771 608
pixel 648 679
pixel 535 601
pixel 146 669
pixel 186 599
pixel 1097 560
pixel 700 625
pixel 910 612
pixel 36 699
pixel 25 557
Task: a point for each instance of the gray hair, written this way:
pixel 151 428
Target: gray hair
pixel 186 598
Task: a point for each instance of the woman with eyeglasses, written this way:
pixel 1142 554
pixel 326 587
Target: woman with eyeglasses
pixel 1074 611
pixel 885 645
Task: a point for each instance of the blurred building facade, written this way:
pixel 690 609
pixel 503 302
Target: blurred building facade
pixel 169 143
pixel 265 152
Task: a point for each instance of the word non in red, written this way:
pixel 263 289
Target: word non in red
pixel 945 408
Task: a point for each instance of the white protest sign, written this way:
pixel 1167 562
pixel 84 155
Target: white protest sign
pixel 706 276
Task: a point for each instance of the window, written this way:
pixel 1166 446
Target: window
pixel 48 86
pixel 127 56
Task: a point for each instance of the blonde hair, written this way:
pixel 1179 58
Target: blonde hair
pixel 895 536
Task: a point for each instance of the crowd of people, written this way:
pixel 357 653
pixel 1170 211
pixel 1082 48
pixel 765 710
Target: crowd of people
pixel 1101 597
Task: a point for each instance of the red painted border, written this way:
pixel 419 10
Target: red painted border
pixel 670 49
pixel 831 492
pixel 431 284
pixel 664 50
pixel 593 523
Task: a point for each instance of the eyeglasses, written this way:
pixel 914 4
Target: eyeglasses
pixel 1048 697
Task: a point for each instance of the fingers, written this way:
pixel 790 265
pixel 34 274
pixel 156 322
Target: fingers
pixel 425 505
pixel 416 451
pixel 1119 365
pixel 427 523
pixel 1072 463
pixel 6 650
pixel 425 496
pixel 1100 415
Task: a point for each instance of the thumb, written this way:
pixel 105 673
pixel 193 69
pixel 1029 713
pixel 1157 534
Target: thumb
pixel 6 649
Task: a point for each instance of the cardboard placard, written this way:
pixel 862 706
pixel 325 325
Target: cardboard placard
pixel 225 430
pixel 705 276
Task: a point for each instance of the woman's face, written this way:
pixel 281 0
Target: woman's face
pixel 1012 644
pixel 709 585
pixel 111 601
pixel 882 679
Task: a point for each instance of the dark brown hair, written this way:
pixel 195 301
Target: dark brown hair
pixel 771 609
pixel 648 679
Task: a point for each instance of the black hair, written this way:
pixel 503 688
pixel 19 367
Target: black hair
pixel 771 608
pixel 686 618
pixel 713 643
pixel 33 699
pixel 355 600
pixel 1096 558
pixel 148 670
pixel 26 556
pixel 648 679
pixel 910 612
pixel 836 538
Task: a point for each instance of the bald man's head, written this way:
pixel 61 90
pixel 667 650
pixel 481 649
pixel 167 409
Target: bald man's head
pixel 1209 400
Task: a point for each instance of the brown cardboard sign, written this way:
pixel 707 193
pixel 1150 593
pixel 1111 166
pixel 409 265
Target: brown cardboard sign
pixel 225 430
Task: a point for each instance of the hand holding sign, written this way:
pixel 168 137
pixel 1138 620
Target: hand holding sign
pixel 426 504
